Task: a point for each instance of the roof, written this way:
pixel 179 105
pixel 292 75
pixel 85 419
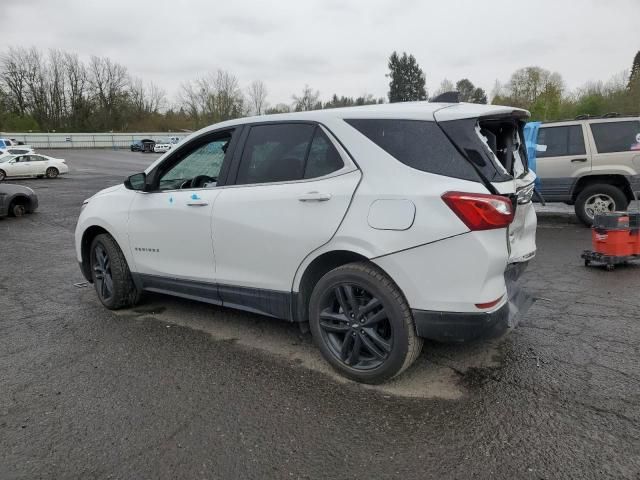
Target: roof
pixel 403 110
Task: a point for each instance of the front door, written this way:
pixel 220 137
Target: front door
pixel 562 157
pixel 170 227
pixel 291 192
pixel 21 167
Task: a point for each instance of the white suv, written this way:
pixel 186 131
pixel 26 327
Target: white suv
pixel 378 226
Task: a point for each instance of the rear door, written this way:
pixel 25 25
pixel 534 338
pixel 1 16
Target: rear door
pixel 293 185
pixel 616 146
pixel 562 157
pixel 39 164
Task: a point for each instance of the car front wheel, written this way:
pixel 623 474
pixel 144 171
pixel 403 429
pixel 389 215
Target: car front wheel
pixel 52 172
pixel 110 274
pixel 362 324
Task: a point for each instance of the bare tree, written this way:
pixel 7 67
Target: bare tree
pixel 446 85
pixel 76 83
pixel 14 77
pixel 108 81
pixel 37 87
pixel 257 93
pixel 57 89
pixel 307 101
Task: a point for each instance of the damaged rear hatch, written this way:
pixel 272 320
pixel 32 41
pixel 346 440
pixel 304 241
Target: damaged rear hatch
pixel 492 140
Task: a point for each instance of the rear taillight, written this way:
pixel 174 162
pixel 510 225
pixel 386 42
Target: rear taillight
pixel 480 211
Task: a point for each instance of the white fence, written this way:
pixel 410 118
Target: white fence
pixel 87 140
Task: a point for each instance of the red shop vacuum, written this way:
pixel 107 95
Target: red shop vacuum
pixel 616 239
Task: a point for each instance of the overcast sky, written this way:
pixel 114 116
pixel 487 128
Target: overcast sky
pixel 337 46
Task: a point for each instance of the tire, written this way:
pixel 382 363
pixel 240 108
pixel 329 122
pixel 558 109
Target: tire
pixel 17 209
pixel 111 276
pixel 52 172
pixel 382 333
pixel 2 175
pixel 587 201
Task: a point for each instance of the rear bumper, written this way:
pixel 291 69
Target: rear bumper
pixel 467 326
pixel 461 326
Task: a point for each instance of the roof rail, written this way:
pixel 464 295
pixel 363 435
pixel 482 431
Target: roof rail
pixel 606 115
pixel 446 97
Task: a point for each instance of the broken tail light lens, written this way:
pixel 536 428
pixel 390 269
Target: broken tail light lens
pixel 480 211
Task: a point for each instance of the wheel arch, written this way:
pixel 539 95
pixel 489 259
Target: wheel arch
pixel 20 199
pixel 314 270
pixel 87 238
pixel 617 180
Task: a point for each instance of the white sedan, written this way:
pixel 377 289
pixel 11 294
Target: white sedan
pixel 162 147
pixel 31 165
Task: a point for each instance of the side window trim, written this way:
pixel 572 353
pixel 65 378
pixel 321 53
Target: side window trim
pixel 205 137
pixel 568 127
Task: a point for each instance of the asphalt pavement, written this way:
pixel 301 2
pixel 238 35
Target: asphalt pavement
pixel 178 389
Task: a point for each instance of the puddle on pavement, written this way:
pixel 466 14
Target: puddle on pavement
pixel 437 373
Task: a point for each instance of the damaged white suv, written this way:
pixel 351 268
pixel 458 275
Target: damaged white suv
pixel 378 226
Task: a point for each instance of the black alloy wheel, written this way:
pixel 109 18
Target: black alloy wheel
pixel 355 327
pixel 101 265
pixel 362 323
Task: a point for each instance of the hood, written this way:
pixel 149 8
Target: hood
pixel 8 189
pixel 109 190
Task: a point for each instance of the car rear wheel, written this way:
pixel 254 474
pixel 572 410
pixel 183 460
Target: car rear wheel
pixel 52 172
pixel 2 175
pixel 362 324
pixel 599 198
pixel 110 274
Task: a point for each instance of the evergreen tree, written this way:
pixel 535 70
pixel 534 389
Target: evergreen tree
pixel 407 79
pixel 468 92
pixel 634 76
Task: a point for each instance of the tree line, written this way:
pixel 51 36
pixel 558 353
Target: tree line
pixel 57 91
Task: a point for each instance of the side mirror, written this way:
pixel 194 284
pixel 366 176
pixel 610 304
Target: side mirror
pixel 12 161
pixel 137 182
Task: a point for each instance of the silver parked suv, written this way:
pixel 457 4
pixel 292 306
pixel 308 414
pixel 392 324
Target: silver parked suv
pixel 592 163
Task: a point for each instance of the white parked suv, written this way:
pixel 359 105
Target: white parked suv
pixel 377 225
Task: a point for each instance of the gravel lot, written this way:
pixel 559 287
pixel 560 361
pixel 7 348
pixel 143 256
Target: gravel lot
pixel 177 389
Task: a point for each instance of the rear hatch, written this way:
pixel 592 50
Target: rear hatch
pixel 492 140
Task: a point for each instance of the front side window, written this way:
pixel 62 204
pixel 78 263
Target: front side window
pixel 199 168
pixel 616 136
pixel 560 141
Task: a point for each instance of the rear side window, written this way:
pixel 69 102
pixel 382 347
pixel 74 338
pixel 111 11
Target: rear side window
pixel 418 144
pixel 616 136
pixel 561 141
pixel 287 152
pixel 323 157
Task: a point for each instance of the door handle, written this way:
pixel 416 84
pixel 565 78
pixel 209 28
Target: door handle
pixel 199 203
pixel 314 197
pixel 578 160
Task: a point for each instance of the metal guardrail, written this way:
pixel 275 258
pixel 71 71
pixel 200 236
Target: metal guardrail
pixel 87 140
